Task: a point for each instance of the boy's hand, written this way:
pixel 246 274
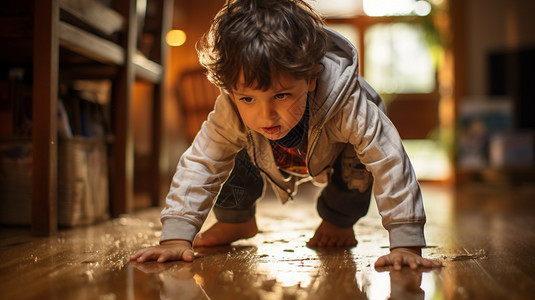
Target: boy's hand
pixel 166 251
pixel 411 257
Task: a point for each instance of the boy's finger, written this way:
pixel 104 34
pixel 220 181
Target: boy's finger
pixel 143 258
pixel 427 263
pixel 188 255
pixel 163 257
pixel 137 254
pixel 397 263
pixel 436 263
pixel 147 255
pixel 382 261
pixel 413 264
pixel 431 263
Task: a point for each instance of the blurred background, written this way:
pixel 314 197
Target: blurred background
pixel 101 95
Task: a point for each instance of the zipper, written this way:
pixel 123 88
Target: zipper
pixel 312 147
pixel 317 132
pixel 249 135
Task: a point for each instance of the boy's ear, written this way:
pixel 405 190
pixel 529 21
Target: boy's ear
pixel 312 81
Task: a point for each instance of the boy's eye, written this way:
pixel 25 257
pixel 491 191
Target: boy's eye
pixel 246 99
pixel 281 96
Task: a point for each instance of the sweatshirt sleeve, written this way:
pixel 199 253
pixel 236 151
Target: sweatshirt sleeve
pixel 201 171
pixel 396 190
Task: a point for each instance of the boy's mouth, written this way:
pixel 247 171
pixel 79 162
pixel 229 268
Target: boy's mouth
pixel 272 129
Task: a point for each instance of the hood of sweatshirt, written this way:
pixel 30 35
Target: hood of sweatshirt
pixel 337 81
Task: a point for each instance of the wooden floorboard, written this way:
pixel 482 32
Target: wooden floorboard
pixel 485 236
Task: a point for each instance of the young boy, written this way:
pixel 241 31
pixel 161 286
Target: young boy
pixel 292 108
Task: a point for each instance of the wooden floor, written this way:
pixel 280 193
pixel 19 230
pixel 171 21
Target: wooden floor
pixel 484 234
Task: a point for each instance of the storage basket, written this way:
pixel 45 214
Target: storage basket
pixel 83 181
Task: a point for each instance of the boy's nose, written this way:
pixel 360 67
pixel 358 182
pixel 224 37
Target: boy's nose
pixel 267 111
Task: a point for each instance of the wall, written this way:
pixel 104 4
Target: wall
pixel 494 25
pixel 194 18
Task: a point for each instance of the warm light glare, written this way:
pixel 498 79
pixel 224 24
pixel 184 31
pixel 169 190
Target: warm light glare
pixel 376 285
pixel 337 8
pixel 422 8
pixel 176 38
pixel 401 61
pixel 379 8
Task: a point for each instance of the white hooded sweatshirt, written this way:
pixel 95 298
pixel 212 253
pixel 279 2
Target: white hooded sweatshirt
pixel 343 110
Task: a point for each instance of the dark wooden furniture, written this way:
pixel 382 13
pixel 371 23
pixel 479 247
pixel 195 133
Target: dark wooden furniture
pixel 84 39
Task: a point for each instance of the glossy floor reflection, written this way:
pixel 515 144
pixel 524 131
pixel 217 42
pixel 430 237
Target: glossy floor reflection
pixel 485 235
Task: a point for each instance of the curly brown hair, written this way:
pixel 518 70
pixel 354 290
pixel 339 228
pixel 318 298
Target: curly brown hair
pixel 262 38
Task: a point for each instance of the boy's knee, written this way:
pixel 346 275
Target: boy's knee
pixel 346 198
pixel 343 210
pixel 350 173
pixel 243 188
pixel 355 175
pixel 232 215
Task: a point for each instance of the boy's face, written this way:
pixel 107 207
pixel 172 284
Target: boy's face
pixel 274 112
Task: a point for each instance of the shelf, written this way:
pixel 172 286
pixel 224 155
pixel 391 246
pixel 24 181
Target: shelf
pixel 92 13
pixel 90 45
pixel 78 40
pixel 146 69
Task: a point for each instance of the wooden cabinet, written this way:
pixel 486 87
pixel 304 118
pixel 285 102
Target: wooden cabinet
pixel 92 39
